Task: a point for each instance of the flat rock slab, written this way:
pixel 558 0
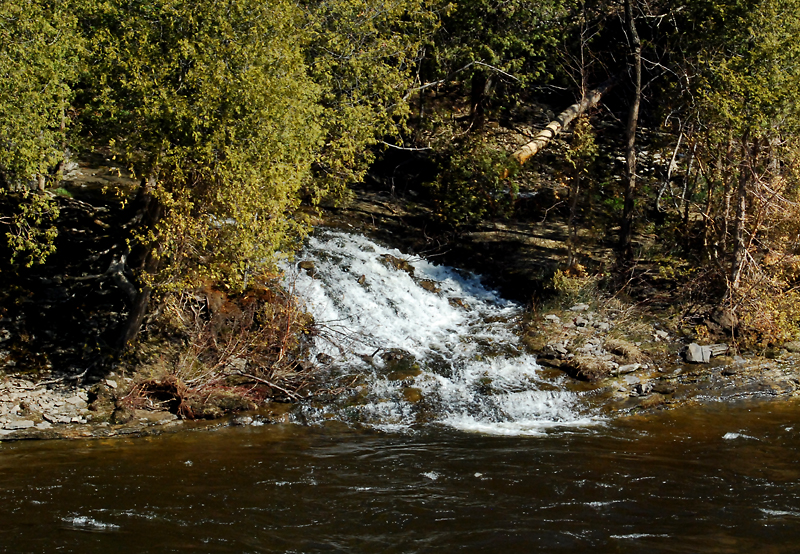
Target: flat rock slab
pixel 697 354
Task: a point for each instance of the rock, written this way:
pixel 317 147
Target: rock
pixel 718 349
pixel 581 322
pixel 19 424
pixel 398 263
pixel 652 401
pixel 663 388
pixel 237 364
pixel 111 383
pixel 557 348
pixel 631 379
pixel 412 394
pixel 429 285
pixel 77 401
pixel 554 318
pixel 587 368
pixel 793 347
pixel 579 307
pixel 308 267
pixel 602 326
pixel 697 354
pixel 43 425
pixel 726 319
pixel 642 389
pixel 629 368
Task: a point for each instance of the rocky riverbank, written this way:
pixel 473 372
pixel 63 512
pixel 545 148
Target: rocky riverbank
pixel 624 358
pixel 629 362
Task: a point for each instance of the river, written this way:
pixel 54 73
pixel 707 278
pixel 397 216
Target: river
pixel 719 478
pixel 451 438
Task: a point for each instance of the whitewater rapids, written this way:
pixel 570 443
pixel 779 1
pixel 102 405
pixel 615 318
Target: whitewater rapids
pixel 422 344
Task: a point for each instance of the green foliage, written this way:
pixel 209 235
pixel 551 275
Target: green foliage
pixel 364 54
pixel 212 102
pixel 32 231
pixel 40 49
pixel 574 285
pixel 583 149
pixel 516 37
pixel 473 181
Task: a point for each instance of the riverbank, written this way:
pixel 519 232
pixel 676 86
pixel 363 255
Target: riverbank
pixel 622 358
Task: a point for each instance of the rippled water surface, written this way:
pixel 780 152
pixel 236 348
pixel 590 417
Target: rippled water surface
pixel 713 479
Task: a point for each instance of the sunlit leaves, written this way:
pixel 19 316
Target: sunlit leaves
pixel 213 100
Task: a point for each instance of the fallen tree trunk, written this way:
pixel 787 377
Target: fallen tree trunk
pixel 592 98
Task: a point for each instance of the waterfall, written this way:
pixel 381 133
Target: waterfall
pixel 421 343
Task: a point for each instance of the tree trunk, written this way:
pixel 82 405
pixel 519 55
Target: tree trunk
pixel 144 260
pixel 575 189
pixel 626 231
pixel 737 263
pixel 479 91
pixel 527 151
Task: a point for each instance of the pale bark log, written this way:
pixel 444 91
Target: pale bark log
pixel 566 117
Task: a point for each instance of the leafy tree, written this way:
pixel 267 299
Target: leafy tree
pixel 211 104
pixel 39 49
pixel 365 56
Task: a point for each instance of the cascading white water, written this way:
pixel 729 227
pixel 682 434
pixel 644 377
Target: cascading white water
pixel 424 343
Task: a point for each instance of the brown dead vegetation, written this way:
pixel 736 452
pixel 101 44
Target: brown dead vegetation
pixel 207 352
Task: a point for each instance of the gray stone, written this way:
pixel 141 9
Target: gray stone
pixel 629 368
pixel 793 347
pixel 718 349
pixel 77 401
pixel 21 424
pixel 579 307
pixel 557 348
pixel 697 354
pixel 43 425
pixel 553 317
pixel 581 322
pixel 111 383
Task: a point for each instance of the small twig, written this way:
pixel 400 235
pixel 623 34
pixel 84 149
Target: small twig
pixel 271 384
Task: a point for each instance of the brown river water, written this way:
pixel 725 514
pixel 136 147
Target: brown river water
pixel 715 478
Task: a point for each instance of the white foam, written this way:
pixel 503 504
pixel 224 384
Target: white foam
pixel 86 522
pixel 733 436
pixel 470 371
